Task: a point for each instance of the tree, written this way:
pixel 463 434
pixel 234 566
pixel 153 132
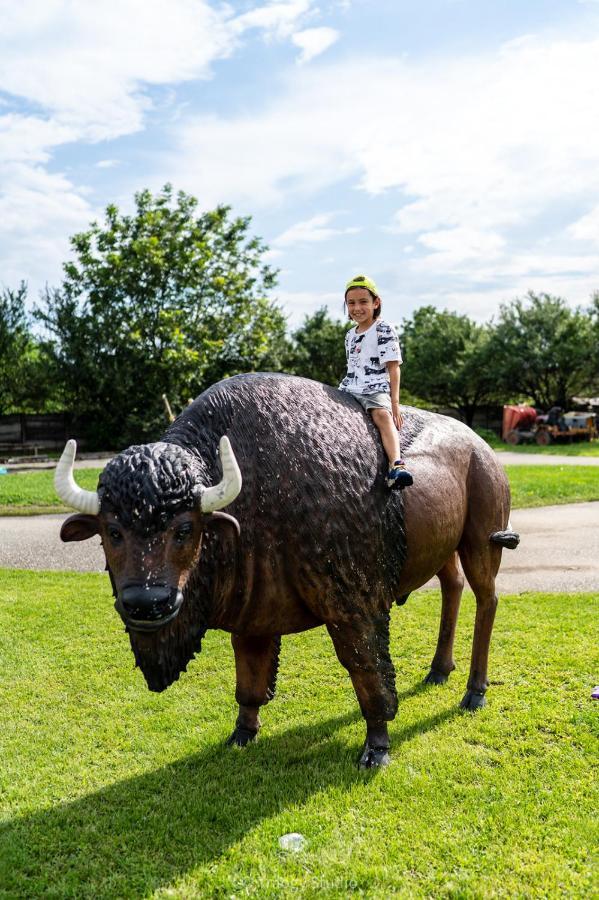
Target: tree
pixel 543 350
pixel 163 301
pixel 318 348
pixel 446 360
pixel 594 354
pixel 24 385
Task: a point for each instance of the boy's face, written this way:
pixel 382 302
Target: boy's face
pixel 361 306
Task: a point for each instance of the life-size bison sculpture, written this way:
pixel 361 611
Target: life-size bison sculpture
pixel 312 537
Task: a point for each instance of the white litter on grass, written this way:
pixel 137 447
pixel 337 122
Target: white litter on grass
pixel 293 842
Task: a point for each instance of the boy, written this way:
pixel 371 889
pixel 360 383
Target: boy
pixel 373 360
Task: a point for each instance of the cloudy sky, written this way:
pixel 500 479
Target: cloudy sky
pixel 448 148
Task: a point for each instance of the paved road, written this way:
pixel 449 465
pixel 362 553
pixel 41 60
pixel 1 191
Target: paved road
pixel 559 549
pixel 508 458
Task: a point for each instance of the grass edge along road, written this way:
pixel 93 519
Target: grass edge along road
pixel 558 448
pixel 33 493
pixel 109 790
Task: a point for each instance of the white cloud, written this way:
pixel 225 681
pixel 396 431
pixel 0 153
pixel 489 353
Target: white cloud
pixel 483 302
pixel 587 227
pixel 278 19
pixel 314 41
pixel 38 211
pixel 311 231
pixel 107 163
pixel 28 139
pixel 452 245
pixel 483 154
pixel 86 63
pixel 298 304
pixel 486 151
pixel 84 71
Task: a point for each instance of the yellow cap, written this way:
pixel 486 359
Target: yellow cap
pixel 362 281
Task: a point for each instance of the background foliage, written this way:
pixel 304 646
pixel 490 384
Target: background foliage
pixel 162 301
pixel 168 300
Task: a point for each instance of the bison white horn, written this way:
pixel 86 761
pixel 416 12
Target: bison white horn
pixel 228 488
pixel 69 492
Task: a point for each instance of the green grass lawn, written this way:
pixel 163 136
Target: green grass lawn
pixel 547 485
pixel 110 791
pixel 27 494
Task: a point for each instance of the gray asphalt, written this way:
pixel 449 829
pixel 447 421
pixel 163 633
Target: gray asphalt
pixel 508 458
pixel 559 549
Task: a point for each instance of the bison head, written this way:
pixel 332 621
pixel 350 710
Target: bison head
pixel 151 509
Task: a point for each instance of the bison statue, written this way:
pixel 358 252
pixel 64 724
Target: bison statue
pixel 312 536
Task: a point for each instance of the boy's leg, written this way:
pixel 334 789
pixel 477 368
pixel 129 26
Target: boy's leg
pixel 389 433
pixel 397 475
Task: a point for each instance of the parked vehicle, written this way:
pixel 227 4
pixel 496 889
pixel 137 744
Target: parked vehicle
pixel 523 423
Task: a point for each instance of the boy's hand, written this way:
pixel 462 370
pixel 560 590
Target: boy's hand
pixel 396 413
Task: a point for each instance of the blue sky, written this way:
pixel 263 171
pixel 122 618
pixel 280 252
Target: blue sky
pixel 448 148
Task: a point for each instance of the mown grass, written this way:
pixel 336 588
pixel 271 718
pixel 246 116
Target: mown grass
pixel 110 791
pixel 32 493
pixel 548 485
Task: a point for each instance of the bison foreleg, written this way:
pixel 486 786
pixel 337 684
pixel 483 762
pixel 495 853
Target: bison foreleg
pixel 452 585
pixel 256 665
pixel 362 646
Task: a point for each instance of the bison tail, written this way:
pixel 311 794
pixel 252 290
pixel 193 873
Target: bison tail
pixel 509 539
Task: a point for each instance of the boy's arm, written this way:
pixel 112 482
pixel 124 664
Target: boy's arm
pixel 394 380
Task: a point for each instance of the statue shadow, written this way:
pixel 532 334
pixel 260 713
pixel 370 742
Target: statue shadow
pixel 139 834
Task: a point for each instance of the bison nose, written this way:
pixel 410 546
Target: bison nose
pixel 151 603
pixel 144 597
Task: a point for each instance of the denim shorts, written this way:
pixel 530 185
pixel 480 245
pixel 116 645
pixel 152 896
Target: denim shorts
pixel 381 400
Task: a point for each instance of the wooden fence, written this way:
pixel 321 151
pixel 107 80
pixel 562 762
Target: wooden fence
pixel 24 431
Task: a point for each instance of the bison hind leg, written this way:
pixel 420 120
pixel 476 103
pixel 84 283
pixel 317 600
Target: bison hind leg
pixel 473 700
pixel 480 566
pixel 452 585
pixel 256 667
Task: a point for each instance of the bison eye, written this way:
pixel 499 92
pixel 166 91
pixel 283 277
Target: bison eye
pixel 115 535
pixel 183 532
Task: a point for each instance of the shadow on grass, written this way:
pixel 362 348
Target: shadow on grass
pixel 142 833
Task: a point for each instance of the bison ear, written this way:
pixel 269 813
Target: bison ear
pixel 216 517
pixel 79 528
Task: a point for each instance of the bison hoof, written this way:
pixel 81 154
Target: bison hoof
pixel 374 757
pixel 435 677
pixel 241 737
pixel 473 700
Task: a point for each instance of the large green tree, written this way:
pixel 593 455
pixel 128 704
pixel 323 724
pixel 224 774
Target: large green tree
pixel 163 301
pixel 446 360
pixel 543 350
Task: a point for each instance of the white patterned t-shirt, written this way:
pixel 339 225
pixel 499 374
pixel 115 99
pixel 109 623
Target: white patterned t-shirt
pixel 367 357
